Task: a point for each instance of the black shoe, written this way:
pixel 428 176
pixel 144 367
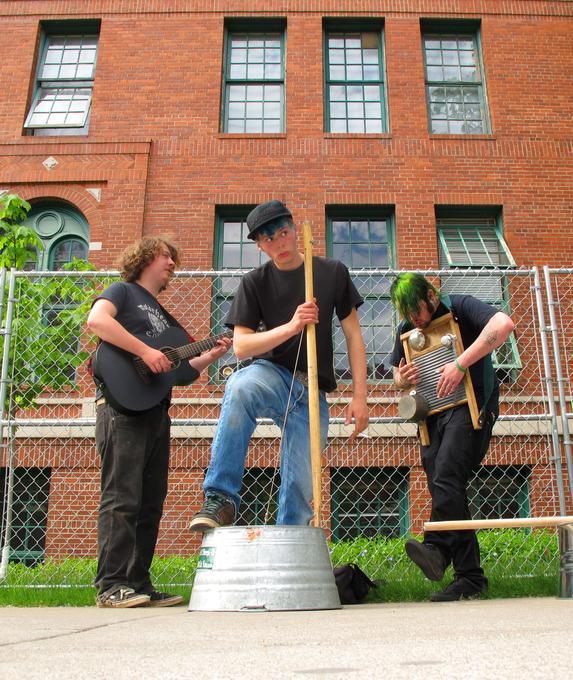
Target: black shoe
pixel 460 589
pixel 159 599
pixel 428 558
pixel 120 596
pixel 217 511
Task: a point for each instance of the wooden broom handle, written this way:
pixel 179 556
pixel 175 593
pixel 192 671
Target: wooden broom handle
pixel 313 403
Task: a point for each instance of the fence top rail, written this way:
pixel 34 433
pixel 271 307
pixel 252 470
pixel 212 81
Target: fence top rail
pixel 560 270
pixel 207 273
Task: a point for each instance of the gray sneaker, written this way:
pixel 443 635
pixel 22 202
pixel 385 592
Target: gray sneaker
pixel 217 511
pixel 120 596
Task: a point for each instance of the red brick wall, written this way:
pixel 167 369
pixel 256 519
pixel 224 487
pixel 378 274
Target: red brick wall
pixel 154 145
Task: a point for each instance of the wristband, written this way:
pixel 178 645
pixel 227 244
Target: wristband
pixel 461 368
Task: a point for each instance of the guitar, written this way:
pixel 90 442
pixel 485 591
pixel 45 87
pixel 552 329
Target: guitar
pixel 130 385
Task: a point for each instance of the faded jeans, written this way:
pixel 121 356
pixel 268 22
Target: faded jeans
pixel 261 390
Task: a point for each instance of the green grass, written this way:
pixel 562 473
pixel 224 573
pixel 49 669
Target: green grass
pixel 517 562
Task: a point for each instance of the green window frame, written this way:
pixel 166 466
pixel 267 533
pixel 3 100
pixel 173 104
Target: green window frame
pixel 454 77
pixel 369 502
pixel 362 237
pixel 254 78
pixel 500 492
pixel 470 241
pixel 64 79
pixel 30 495
pixel 64 233
pixel 354 72
pixel 233 251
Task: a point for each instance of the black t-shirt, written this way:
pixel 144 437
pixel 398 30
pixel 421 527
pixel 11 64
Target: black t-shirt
pixel 471 315
pixel 138 311
pixel 268 296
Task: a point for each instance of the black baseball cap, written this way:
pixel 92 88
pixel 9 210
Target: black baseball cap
pixel 265 213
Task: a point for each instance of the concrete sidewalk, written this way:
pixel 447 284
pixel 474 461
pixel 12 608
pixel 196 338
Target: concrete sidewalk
pixel 518 638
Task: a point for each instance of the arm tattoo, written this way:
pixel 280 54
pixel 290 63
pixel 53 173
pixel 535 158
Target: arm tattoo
pixel 491 338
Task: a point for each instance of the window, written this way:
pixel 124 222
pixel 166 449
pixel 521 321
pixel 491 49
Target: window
pixel 259 496
pixel 64 232
pixel 30 495
pixel 455 88
pixel 66 251
pixel 475 243
pixel 64 79
pixel 499 492
pixel 354 73
pixel 254 76
pixel 361 238
pixel 234 251
pixel 369 501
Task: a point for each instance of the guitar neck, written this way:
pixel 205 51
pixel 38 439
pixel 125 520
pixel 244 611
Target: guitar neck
pixel 195 348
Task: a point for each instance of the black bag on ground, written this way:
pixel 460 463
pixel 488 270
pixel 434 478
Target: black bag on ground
pixel 352 583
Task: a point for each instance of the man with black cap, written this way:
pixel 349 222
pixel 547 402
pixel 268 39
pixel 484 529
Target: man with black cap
pixel 274 385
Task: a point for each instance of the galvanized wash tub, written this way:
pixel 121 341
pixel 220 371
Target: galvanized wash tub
pixel 264 568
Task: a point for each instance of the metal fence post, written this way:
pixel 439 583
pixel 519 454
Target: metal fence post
pixel 7 333
pixel 551 303
pixel 543 329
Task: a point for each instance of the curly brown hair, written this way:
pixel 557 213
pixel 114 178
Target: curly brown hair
pixel 136 257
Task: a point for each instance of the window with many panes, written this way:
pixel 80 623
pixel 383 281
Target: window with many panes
pixel 354 78
pixel 254 78
pixel 64 79
pixel 237 253
pixel 500 492
pixel 455 87
pixel 29 512
pixel 471 242
pixel 361 238
pixel 369 501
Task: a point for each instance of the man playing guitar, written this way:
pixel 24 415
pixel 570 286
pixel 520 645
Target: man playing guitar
pixel 134 445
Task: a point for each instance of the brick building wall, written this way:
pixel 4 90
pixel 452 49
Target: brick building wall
pixel 161 164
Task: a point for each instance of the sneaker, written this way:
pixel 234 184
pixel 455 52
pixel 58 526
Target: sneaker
pixel 159 599
pixel 428 558
pixel 217 511
pixel 120 597
pixel 460 589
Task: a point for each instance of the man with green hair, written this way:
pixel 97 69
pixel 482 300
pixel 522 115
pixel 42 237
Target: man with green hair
pixel 455 449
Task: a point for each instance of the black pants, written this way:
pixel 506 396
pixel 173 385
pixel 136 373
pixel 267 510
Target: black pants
pixel 455 451
pixel 134 453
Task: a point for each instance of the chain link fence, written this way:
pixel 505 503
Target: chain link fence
pixel 374 489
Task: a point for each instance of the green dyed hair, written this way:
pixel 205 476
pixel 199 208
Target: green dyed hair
pixel 408 290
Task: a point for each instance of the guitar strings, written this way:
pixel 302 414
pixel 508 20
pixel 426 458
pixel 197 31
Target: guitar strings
pixel 173 353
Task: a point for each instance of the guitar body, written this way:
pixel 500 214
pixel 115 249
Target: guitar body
pixel 130 388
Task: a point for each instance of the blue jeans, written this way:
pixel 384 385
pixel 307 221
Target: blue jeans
pixel 261 390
